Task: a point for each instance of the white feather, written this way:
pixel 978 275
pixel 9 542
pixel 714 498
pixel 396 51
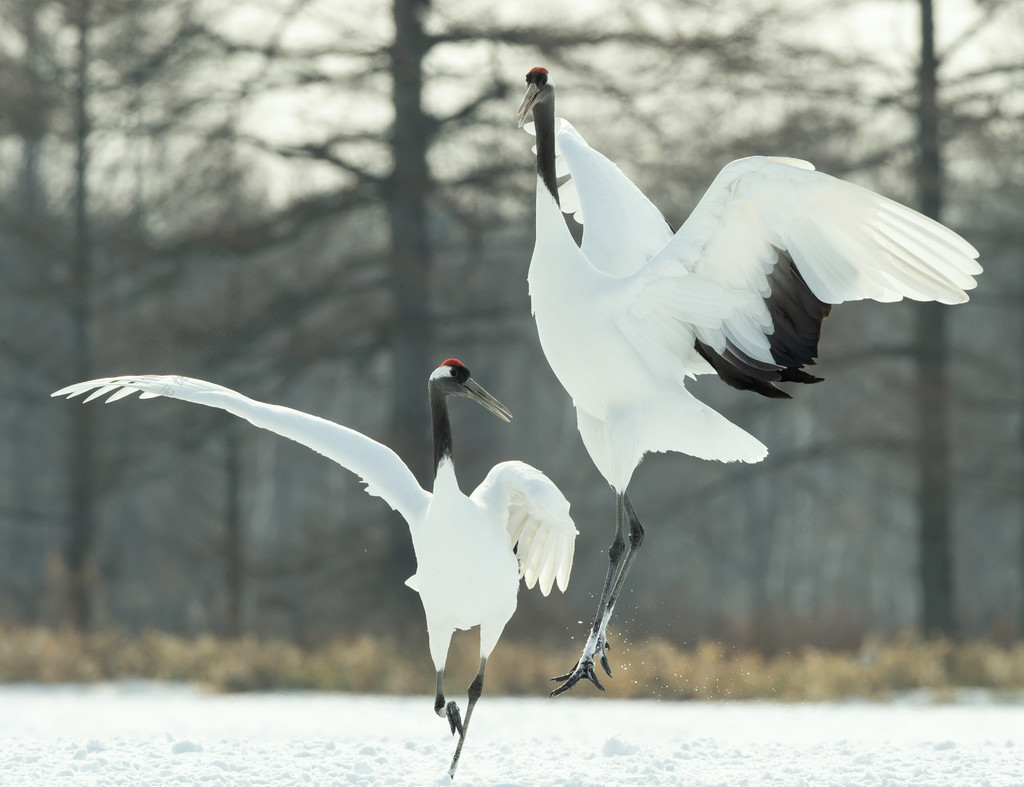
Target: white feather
pixel 618 317
pixel 628 316
pixel 467 572
pixel 539 525
pixel 384 473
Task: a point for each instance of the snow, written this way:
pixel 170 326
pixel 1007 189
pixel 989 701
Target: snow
pixel 151 733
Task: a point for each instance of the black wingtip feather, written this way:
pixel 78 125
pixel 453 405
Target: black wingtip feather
pixel 740 374
pixel 797 315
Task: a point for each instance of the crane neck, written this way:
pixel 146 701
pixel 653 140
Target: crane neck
pixel 441 425
pixel 544 127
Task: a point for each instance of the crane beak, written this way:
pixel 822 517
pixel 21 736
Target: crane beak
pixel 532 91
pixel 474 391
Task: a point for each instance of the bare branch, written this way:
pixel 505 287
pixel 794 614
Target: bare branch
pixel 318 151
pixel 496 91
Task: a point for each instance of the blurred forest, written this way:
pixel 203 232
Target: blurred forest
pixel 316 202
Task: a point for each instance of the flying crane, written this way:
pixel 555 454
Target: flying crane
pixel 741 290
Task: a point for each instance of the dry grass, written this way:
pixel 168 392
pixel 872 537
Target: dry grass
pixel 653 669
pixel 876 671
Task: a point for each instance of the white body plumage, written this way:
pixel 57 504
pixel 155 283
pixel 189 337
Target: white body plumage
pixel 470 550
pixel 619 316
pixel 467 572
pixel 477 583
pixel 740 290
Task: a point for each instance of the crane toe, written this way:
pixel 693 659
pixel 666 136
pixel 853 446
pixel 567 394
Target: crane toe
pixel 604 659
pixel 454 718
pixel 584 669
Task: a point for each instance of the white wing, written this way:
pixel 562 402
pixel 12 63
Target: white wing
pixel 844 241
pixel 719 278
pixel 380 468
pixel 610 203
pixel 539 525
pixel 847 242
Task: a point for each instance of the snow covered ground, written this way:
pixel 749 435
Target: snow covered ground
pixel 144 733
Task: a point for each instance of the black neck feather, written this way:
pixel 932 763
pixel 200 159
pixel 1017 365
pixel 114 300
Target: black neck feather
pixel 441 424
pixel 544 126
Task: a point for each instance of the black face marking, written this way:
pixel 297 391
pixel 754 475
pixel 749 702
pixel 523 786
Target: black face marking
pixel 458 372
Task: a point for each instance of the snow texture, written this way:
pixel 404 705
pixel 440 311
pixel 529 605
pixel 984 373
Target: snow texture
pixel 143 733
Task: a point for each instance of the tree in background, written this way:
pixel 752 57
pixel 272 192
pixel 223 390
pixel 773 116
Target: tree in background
pixel 307 202
pixel 932 351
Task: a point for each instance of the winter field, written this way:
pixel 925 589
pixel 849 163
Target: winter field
pixel 153 733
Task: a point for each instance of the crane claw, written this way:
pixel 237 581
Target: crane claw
pixel 596 645
pixel 603 647
pixel 584 669
pixel 454 718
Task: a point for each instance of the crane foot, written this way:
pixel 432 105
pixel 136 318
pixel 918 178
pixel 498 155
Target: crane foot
pixel 454 718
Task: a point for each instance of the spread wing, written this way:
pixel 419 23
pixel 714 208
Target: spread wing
pixel 538 522
pixel 743 287
pixel 783 243
pixel 622 229
pixel 384 473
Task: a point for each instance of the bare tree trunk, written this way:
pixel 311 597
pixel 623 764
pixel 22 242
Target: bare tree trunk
pixel 933 497
pixel 407 192
pixel 82 516
pixel 22 437
pixel 29 176
pixel 234 533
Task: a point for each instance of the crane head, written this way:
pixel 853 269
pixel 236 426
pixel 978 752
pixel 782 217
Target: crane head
pixel 452 378
pixel 539 87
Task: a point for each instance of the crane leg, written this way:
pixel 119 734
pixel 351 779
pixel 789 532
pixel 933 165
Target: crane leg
pixel 636 539
pixel 475 690
pixel 449 711
pixel 619 561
